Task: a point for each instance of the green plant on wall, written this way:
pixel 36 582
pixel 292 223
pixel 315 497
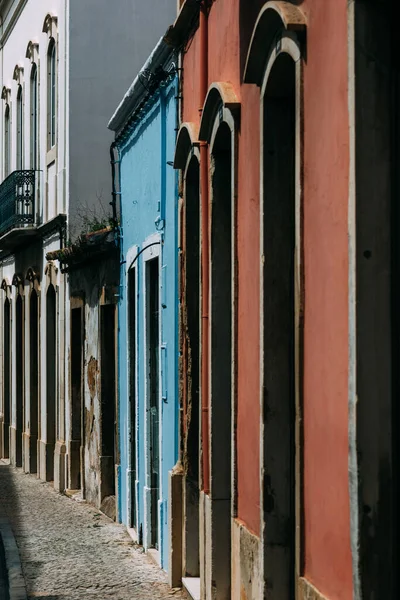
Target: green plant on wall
pixel 96 223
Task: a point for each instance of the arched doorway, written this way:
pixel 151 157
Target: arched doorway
pixel 221 343
pixel 108 406
pixel 192 409
pixel 6 377
pixel 51 374
pixel 77 442
pixel 19 366
pixel 34 378
pixel 278 317
pixel 133 438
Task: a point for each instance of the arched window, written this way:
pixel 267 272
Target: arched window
pixel 7 141
pixel 51 94
pixel 34 117
pixel 20 129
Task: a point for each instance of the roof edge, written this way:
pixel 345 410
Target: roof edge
pixel 137 91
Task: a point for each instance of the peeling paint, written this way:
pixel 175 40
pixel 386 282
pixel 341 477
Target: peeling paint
pixel 92 374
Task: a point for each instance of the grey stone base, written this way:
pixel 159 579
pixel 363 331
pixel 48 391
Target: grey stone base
pixel 215 548
pixel 175 519
pixel 74 465
pixel 30 453
pixel 246 561
pixel 205 547
pixel 46 461
pixel 15 447
pixel 306 591
pixel 38 458
pixel 107 477
pixel 191 528
pixel 4 439
pixel 108 507
pixel 59 466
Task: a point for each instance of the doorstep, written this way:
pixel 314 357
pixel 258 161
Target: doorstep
pixel 192 587
pixel 155 556
pixel 133 535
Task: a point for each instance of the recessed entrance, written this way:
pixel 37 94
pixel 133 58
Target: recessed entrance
pixel 192 411
pixel 19 365
pixel 7 377
pixel 153 370
pixel 221 362
pixel 76 446
pixel 132 307
pixel 51 374
pixel 108 407
pixel 34 378
pixel 278 330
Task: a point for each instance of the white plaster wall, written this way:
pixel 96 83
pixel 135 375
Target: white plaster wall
pixel 28 27
pixel 14 39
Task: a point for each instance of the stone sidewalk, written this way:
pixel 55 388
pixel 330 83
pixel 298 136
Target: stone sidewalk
pixel 71 551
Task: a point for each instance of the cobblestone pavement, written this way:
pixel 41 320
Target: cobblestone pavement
pixel 71 551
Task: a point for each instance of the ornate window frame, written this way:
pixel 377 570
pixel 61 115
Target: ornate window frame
pixel 7 288
pixel 18 77
pixel 33 278
pixel 50 27
pixel 32 54
pixel 7 124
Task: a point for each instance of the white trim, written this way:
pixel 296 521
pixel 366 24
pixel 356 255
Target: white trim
pixel 130 257
pixel 352 307
pixel 150 252
pixel 226 114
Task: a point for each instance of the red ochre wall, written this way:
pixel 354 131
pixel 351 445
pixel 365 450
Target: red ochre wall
pixel 224 65
pixel 327 556
pixel 326 191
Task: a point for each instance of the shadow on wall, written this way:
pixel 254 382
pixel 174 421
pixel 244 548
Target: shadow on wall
pixel 249 12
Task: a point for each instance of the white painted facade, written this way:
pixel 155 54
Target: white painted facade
pixel 28 32
pixel 99 49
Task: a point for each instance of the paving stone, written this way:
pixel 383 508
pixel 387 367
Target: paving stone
pixel 71 551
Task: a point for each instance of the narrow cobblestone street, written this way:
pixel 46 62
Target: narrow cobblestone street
pixel 71 551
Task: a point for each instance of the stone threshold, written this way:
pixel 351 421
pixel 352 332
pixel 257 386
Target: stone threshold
pixel 307 591
pixel 155 556
pixel 192 587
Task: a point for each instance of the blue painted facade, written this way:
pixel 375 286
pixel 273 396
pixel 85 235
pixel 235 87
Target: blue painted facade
pixel 149 236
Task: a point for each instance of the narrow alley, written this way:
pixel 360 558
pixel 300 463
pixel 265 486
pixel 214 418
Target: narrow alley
pixel 70 550
pixel 199 292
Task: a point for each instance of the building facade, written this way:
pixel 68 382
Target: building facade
pixel 286 150
pixel 60 81
pixel 33 221
pixel 145 124
pixel 236 408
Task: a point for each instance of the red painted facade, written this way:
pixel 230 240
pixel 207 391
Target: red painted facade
pixel 326 552
pixel 326 190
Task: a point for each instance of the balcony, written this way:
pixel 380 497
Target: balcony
pixel 17 208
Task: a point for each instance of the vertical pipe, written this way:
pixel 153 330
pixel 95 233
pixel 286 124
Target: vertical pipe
pixel 204 254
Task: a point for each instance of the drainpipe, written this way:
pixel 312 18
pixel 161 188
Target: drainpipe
pixel 115 161
pixel 204 254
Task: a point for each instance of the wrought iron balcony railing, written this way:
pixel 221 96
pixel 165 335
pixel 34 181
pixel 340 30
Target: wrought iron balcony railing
pixel 17 200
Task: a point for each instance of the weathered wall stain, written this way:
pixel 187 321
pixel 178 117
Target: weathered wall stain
pixel 92 374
